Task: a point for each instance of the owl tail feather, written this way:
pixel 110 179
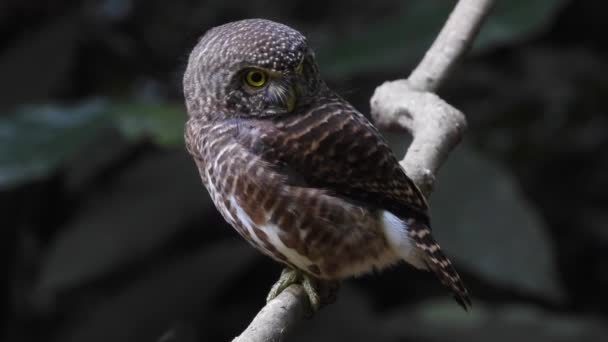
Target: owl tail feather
pixel 438 263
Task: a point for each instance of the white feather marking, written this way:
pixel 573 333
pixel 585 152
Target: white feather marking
pixel 245 220
pixel 292 255
pixel 212 190
pixel 220 154
pixel 272 231
pixel 397 235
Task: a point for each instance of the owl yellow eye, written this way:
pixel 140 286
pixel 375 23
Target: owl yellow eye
pixel 255 78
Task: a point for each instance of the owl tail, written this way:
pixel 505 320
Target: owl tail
pixel 438 263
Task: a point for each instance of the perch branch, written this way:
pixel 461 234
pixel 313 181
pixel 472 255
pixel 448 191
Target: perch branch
pixel 436 128
pixel 275 319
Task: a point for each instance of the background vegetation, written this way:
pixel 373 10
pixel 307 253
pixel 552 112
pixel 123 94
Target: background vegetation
pixel 106 233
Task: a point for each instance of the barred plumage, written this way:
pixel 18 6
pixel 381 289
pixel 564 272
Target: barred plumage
pixel 311 182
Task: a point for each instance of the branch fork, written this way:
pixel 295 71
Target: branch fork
pixel 436 127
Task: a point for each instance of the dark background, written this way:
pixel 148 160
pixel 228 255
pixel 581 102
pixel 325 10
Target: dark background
pixel 106 233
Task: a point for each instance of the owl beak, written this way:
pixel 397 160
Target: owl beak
pixel 296 93
pixel 282 95
pixel 290 100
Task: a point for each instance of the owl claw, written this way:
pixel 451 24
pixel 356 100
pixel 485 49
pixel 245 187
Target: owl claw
pixel 313 287
pixel 288 277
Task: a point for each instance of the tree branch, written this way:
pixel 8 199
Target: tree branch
pixel 436 128
pixel 279 316
pixel 454 40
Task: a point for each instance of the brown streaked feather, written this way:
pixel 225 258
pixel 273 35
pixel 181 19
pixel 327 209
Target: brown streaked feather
pixel 437 262
pixel 336 148
pixel 337 238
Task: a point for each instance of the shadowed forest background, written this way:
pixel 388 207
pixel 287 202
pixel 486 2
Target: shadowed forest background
pixel 107 234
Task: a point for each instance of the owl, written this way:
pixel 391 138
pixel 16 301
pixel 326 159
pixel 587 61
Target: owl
pixel 296 170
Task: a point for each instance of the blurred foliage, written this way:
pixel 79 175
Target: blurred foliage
pixel 491 209
pixel 478 198
pixel 133 215
pixel 352 319
pixel 403 38
pixel 516 20
pixel 148 306
pixel 35 141
pixel 162 123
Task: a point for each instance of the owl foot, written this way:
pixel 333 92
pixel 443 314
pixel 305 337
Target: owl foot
pixel 319 292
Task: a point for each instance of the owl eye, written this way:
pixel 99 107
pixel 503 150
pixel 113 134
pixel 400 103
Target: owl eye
pixel 255 78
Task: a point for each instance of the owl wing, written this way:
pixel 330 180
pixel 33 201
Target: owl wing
pixel 336 148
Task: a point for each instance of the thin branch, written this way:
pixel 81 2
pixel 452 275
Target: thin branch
pixel 436 128
pixel 279 316
pixel 454 40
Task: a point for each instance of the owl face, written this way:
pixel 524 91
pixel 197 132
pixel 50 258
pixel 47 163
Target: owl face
pixel 252 68
pixel 257 91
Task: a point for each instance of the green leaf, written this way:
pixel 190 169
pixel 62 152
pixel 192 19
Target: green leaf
pixel 37 140
pixel 484 222
pixel 397 42
pixel 163 123
pixel 400 41
pixel 511 21
pixel 126 220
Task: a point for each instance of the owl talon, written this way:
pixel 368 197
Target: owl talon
pixel 288 277
pixel 311 287
pixel 318 292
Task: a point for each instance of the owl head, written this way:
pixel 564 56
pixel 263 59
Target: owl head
pixel 250 68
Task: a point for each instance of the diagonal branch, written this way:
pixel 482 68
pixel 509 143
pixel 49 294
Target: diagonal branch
pixel 454 40
pixel 278 317
pixel 436 128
